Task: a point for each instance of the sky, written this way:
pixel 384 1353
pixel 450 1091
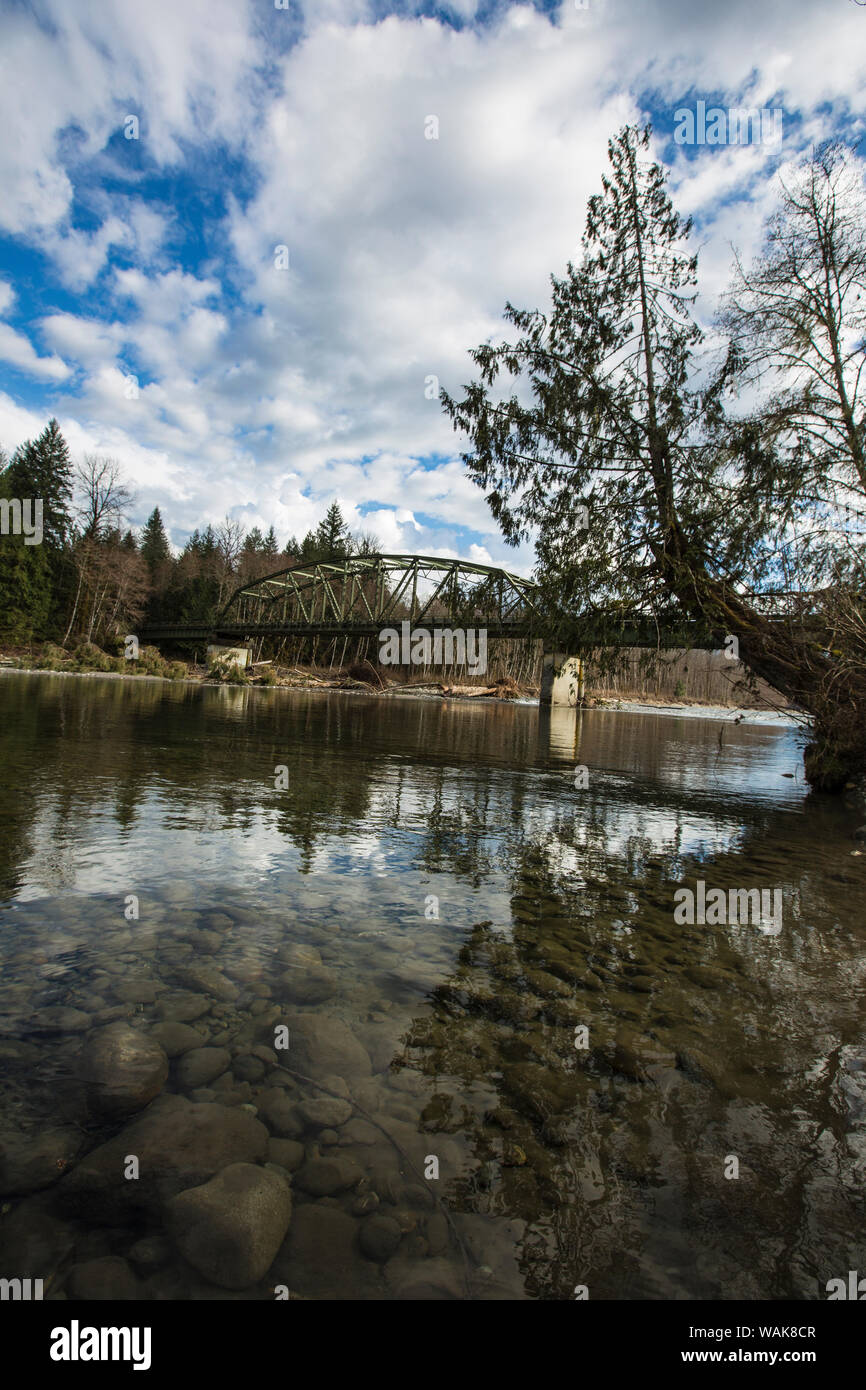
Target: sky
pixel 244 242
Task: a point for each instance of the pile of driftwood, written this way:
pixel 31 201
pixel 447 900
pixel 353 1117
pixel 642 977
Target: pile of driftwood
pixel 363 675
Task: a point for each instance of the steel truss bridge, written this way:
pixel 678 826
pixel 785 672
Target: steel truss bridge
pixel 361 595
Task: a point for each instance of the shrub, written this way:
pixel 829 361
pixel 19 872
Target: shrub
pixel 227 673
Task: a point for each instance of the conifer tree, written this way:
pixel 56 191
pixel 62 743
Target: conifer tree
pixel 154 545
pixel 332 535
pixel 649 506
pixel 41 470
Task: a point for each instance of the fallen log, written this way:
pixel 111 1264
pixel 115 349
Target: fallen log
pixel 469 690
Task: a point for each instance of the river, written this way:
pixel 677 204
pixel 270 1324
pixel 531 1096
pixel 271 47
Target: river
pixel 536 1082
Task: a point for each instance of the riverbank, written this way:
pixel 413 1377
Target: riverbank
pixel 86 659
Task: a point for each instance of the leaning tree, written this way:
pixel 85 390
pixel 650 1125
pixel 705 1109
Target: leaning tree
pixel 602 431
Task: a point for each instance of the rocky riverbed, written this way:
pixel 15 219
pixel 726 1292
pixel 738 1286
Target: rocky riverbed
pixel 157 1144
pixel 420 1023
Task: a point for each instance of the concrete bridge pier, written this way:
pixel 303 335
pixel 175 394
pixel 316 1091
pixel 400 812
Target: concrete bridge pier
pixel 562 680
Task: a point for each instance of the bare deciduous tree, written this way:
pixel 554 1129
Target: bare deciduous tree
pixel 105 497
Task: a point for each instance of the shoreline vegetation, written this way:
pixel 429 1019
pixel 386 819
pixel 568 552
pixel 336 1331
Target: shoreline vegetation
pixel 87 659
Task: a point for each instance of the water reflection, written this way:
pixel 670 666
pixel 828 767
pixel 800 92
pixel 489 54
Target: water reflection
pixel 465 911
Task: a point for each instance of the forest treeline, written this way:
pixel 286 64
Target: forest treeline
pixel 92 578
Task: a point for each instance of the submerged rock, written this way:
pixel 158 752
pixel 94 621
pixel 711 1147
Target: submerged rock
pixel 425 1280
pixel 309 986
pixel 288 1153
pixel 248 1068
pixel 176 1038
pixel 123 1070
pixel 35 1241
pixel 231 1228
pixel 323 1176
pixel 201 1065
pixel 320 1258
pixel 107 1278
pixel 379 1238
pixel 207 979
pixel 280 1114
pixel 178 1145
pixel 183 1005
pixel 327 1113
pixel 30 1162
pixel 60 1020
pixel 319 1044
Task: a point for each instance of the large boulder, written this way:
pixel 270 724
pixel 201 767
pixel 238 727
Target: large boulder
pixel 178 1144
pixel 319 1044
pixel 231 1228
pixel 122 1069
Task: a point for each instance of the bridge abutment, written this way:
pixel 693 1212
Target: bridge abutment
pixel 562 679
pixel 230 656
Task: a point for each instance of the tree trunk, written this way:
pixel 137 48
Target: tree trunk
pixel 796 664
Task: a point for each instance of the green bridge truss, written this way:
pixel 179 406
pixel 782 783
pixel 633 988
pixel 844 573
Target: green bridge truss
pixel 361 595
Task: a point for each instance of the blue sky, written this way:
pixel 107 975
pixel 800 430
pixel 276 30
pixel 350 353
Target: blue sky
pixel 141 299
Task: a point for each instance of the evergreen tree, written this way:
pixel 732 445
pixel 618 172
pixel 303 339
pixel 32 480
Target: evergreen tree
pixel 332 537
pixel 41 470
pixel 269 545
pixel 25 582
pixel 648 503
pixel 154 547
pixel 309 547
pixel 254 542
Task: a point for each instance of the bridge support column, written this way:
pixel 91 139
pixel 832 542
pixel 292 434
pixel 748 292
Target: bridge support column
pixel 562 679
pixel 232 656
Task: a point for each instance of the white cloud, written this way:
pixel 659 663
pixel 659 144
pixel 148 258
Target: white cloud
pixel 186 70
pixel 20 352
pixel 88 341
pixel 403 250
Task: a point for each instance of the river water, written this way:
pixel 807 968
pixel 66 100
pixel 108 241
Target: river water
pixel 474 949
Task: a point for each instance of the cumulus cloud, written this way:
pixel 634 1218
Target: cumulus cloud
pixel 18 351
pixel 418 174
